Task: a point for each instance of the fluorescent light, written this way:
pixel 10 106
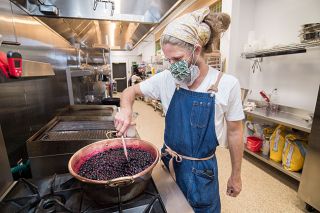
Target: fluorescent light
pixel 107 40
pixel 112 28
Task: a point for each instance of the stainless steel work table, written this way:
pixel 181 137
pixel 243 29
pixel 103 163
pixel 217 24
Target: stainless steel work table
pixel 170 193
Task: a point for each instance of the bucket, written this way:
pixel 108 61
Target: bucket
pixel 254 143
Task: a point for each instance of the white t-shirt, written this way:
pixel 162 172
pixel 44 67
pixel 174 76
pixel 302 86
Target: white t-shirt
pixel 228 105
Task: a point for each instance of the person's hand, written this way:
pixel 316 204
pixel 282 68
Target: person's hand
pixel 122 121
pixel 234 186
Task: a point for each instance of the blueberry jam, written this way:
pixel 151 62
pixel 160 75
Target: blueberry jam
pixel 112 164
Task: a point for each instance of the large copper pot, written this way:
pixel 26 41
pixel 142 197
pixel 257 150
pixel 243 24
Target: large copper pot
pixel 107 191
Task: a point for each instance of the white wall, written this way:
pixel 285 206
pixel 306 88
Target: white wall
pixel 232 41
pixel 146 48
pixel 297 76
pixel 125 57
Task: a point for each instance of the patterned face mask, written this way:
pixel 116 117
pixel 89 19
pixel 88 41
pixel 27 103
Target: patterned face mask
pixel 181 71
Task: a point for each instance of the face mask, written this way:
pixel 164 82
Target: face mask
pixel 184 74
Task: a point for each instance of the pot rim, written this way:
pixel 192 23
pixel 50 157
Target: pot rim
pixel 107 182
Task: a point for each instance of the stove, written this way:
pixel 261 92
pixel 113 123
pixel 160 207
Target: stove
pixel 63 193
pixel 50 149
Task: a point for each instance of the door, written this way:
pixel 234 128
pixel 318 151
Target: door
pixel 119 72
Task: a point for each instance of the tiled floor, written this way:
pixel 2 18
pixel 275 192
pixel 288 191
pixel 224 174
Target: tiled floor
pixel 261 192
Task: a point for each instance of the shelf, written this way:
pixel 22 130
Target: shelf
pixel 278 166
pixel 281 50
pixel 284 118
pixel 79 73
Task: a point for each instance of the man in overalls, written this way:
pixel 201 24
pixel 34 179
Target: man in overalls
pixel 198 101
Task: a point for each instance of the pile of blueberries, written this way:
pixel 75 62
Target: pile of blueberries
pixel 112 164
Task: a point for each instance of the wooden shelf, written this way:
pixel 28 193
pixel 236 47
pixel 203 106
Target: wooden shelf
pixel 278 166
pixel 284 118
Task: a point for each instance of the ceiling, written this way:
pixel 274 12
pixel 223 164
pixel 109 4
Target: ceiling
pixel 119 28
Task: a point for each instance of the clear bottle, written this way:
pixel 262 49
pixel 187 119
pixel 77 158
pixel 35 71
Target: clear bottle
pixel 275 101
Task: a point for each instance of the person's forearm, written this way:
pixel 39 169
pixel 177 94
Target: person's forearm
pixel 236 151
pixel 128 97
pixel 122 119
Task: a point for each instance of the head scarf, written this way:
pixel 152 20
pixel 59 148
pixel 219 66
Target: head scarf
pixel 190 27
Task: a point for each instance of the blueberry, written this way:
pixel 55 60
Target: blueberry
pixel 112 164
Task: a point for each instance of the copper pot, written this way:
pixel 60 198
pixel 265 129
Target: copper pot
pixel 107 191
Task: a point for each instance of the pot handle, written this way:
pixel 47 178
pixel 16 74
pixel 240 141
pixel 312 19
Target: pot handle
pixel 118 182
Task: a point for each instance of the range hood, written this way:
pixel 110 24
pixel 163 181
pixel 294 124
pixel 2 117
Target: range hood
pixel 119 24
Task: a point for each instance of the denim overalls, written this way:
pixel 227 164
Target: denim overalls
pixel 190 144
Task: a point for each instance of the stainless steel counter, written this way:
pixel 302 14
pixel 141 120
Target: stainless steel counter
pixel 282 117
pixel 170 193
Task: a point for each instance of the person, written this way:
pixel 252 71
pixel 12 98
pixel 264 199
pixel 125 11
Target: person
pixel 142 71
pixel 135 77
pixel 199 102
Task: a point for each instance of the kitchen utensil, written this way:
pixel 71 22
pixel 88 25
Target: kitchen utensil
pixel 89 98
pixel 106 191
pixel 124 148
pixel 244 93
pixel 265 96
pixel 256 65
pixel 124 144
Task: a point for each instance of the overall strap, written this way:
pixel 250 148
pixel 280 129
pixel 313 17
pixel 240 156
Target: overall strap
pixel 179 158
pixel 214 87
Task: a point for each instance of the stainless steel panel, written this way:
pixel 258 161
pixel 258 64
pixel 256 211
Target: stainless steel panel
pixel 26 105
pixel 143 11
pixel 90 32
pixel 44 166
pixel 80 125
pixel 170 193
pixel 49 154
pixel 79 23
pixel 309 185
pixel 5 178
pixel 36 69
pixel 90 110
pixel 74 135
pixel 6 25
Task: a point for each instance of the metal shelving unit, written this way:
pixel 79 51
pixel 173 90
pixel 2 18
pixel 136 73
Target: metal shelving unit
pixel 284 118
pixel 281 50
pixel 278 166
pixel 290 117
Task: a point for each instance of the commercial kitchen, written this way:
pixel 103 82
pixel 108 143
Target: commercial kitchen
pixel 64 66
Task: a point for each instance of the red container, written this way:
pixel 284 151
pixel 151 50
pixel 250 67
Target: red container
pixel 254 144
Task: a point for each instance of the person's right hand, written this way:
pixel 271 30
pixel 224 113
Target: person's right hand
pixel 122 121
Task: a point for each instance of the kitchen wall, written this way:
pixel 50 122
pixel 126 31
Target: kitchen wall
pixel 296 77
pixel 27 104
pixel 147 48
pixel 125 57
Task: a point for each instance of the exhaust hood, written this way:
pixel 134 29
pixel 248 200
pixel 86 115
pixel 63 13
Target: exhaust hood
pixel 118 24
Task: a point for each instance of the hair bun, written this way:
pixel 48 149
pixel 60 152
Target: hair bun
pixel 218 23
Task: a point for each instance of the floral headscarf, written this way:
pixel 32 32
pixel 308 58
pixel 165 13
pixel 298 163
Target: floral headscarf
pixel 190 27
